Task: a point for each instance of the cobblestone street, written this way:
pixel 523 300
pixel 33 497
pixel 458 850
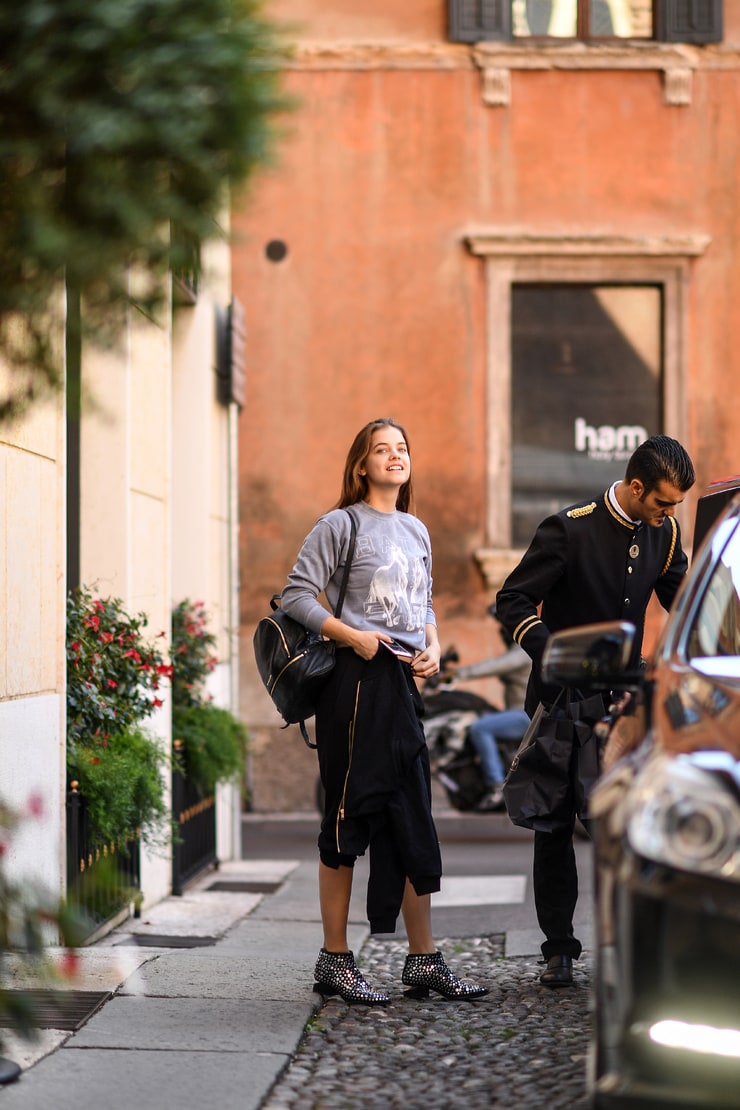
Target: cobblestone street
pixel 521 1045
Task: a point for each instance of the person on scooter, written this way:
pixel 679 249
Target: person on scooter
pixel 512 667
pixel 373 756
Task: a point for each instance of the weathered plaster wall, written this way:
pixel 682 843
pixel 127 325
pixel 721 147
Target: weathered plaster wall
pixel 379 308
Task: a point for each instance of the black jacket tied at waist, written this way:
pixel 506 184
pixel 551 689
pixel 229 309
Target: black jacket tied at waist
pixel 375 770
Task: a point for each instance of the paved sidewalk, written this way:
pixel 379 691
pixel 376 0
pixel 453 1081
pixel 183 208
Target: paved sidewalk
pixel 233 1023
pixel 209 1026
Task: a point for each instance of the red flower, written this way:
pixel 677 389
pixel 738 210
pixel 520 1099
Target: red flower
pixel 35 805
pixel 157 703
pixel 107 637
pixel 111 684
pixel 70 963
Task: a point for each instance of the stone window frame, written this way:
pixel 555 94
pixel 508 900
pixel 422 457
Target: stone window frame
pixel 511 259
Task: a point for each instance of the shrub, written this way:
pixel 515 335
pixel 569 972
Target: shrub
pixel 113 672
pixel 114 676
pixel 27 913
pixel 191 652
pixel 121 783
pixel 214 744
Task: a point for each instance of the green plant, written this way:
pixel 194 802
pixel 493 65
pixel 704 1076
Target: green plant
pixel 121 783
pixel 113 672
pixel 214 744
pixel 191 652
pixel 27 913
pixel 118 119
pixel 113 679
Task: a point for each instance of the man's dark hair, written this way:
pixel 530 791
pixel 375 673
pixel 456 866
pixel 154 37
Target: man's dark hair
pixel 661 459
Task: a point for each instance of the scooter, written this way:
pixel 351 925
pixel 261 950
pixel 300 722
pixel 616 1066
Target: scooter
pixel 448 714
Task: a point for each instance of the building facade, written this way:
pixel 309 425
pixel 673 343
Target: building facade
pixel 134 499
pixel 513 227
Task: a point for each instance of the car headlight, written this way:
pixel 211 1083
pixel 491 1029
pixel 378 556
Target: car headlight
pixel 686 816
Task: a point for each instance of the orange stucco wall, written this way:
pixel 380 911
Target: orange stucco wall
pixel 379 308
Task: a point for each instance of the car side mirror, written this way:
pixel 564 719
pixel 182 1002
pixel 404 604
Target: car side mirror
pixel 592 656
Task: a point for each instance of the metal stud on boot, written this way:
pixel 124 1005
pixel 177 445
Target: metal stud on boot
pixel 337 973
pixel 430 972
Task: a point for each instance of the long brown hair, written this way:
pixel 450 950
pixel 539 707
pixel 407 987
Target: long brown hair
pixel 354 484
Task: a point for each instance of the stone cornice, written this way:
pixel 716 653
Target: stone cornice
pixel 496 60
pixel 362 56
pixel 522 244
pixel 570 56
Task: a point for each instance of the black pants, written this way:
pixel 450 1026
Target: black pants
pixel 555 880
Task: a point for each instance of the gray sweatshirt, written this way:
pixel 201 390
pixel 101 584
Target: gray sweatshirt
pixel 390 580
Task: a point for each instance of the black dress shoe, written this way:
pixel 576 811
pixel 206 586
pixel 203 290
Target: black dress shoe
pixel 559 972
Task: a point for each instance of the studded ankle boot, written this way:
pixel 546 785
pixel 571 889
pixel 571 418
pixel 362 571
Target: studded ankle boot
pixel 430 972
pixel 337 973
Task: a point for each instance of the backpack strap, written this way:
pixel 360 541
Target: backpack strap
pixel 340 599
pixel 348 564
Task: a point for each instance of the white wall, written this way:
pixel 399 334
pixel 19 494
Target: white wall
pixel 32 622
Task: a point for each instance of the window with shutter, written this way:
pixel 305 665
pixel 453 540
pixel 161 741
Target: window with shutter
pixel 689 20
pixel 476 20
pixel 697 21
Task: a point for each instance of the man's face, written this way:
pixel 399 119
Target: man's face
pixel 652 508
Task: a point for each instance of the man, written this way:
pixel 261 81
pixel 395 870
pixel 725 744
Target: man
pixel 595 561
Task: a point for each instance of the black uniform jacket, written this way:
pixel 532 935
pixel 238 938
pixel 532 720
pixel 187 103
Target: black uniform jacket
pixel 587 564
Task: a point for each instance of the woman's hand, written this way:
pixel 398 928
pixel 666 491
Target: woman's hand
pixel 426 663
pixel 366 644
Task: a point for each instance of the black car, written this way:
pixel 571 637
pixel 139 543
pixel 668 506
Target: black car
pixel 666 824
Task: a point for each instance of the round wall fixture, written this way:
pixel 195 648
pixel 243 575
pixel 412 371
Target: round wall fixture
pixel 276 250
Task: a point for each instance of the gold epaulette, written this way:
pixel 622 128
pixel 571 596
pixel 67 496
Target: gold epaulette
pixel 672 548
pixel 582 510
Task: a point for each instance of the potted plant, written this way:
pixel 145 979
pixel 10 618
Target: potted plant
pixel 211 741
pixel 114 674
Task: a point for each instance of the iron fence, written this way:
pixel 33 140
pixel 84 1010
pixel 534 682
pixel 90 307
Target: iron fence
pixel 103 879
pixel 194 817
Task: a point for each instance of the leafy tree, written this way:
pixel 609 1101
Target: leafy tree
pixel 119 119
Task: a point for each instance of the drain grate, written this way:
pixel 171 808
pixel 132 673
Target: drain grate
pixel 245 887
pixel 58 1009
pixel 159 940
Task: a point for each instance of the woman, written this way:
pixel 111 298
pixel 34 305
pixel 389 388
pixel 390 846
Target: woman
pixel 372 753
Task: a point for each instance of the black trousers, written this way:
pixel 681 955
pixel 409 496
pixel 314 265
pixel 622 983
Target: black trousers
pixel 555 881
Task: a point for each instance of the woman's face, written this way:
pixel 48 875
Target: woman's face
pixel 387 463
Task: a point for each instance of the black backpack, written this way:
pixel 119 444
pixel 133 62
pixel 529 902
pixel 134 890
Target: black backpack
pixel 293 662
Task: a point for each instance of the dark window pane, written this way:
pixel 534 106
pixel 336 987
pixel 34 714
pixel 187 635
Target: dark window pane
pixel 475 20
pixel 586 390
pixel 622 19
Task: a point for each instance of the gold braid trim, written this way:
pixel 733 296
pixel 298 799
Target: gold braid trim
pixel 523 628
pixel 620 519
pixel 672 548
pixel 582 510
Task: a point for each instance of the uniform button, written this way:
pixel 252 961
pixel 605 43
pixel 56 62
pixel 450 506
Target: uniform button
pixel 626 601
pixel 629 570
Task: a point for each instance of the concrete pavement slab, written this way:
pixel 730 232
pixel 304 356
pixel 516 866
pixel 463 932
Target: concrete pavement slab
pixel 98 969
pixel 184 974
pixel 196 1025
pixel 200 913
pixel 91 1079
pixel 271 940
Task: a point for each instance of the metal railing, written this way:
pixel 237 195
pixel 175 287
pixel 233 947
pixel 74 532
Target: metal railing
pixel 103 879
pixel 194 817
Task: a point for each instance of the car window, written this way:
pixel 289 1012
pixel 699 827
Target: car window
pixel 713 645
